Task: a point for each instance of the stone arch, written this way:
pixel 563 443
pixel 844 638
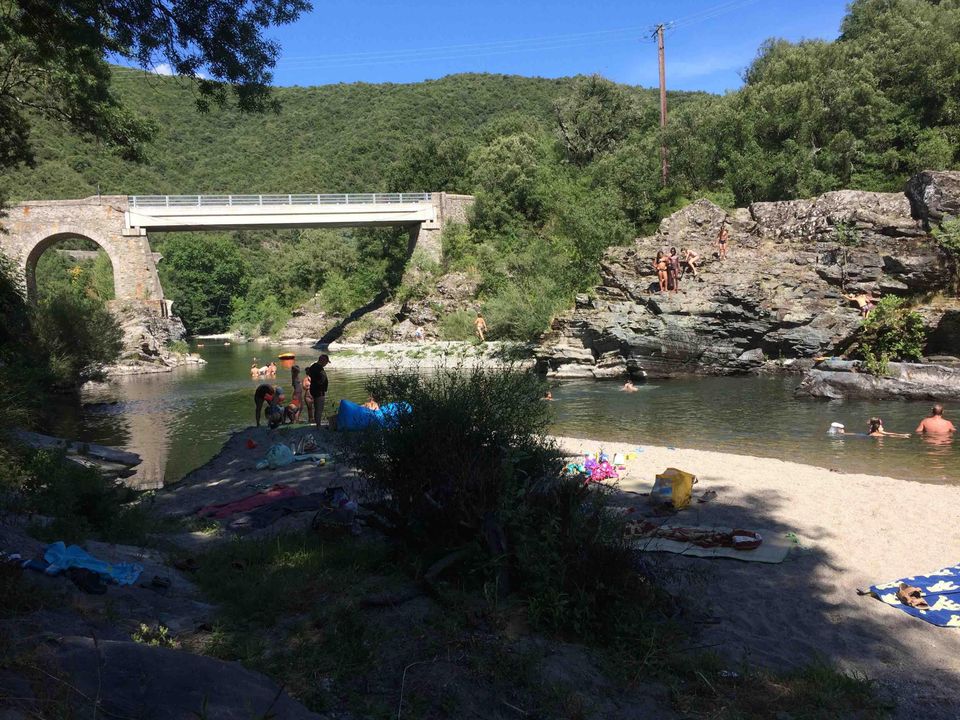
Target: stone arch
pixel 41 241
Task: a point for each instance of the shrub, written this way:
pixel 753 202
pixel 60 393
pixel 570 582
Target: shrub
pixel 891 332
pixel 457 325
pixel 470 475
pixel 80 501
pixel 948 235
pixel 519 313
pixel 78 335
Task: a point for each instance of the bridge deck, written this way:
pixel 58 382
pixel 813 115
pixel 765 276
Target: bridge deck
pixel 159 213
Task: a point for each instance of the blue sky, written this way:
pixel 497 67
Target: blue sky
pixel 391 41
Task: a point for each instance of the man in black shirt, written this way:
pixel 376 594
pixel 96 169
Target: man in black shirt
pixel 318 386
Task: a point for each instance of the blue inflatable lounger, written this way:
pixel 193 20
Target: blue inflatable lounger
pixel 351 416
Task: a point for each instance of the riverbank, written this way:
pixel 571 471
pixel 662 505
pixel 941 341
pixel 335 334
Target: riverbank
pixel 426 354
pixel 853 530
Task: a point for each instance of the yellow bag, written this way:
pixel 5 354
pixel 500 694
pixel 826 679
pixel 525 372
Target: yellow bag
pixel 674 486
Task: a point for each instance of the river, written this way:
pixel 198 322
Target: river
pixel 179 420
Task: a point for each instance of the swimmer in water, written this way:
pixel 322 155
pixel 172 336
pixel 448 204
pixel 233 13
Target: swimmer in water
pixel 548 396
pixel 876 430
pixel 628 386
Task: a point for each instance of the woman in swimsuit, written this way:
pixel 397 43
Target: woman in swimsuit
pixel 660 265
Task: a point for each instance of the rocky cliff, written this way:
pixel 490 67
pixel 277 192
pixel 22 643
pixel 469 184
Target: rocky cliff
pixel 776 299
pixel 147 340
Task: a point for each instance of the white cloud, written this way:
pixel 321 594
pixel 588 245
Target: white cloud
pixel 163 69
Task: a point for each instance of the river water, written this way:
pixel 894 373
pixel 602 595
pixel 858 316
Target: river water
pixel 179 420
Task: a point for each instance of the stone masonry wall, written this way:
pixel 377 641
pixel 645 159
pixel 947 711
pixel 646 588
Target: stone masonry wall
pixel 32 227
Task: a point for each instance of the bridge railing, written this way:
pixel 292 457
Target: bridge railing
pixel 185 201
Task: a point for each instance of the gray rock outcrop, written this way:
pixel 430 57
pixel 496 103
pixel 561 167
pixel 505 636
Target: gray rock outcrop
pixel 836 379
pixel 934 196
pixel 147 337
pixel 775 299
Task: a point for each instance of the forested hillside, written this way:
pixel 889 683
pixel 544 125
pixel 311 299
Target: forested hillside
pixel 561 168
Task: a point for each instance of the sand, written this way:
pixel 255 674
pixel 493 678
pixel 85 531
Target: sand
pixel 855 531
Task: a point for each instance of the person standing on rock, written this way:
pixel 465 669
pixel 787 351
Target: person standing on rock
pixel 723 237
pixel 480 327
pixel 318 386
pixel 936 424
pixel 660 265
pixel 673 264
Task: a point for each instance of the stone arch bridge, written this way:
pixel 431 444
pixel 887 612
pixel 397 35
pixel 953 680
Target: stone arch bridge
pixel 121 225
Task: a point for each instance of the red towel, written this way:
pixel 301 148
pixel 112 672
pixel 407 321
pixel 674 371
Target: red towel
pixel 223 510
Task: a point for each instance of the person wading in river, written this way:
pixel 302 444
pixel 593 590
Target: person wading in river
pixel 936 424
pixel 318 386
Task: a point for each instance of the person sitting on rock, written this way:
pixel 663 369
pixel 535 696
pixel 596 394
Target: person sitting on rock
pixel 660 265
pixel 936 424
pixel 689 263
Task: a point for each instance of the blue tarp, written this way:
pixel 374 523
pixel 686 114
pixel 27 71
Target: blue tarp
pixel 62 557
pixel 351 416
pixel 941 590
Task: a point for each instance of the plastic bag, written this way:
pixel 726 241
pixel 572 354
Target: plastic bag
pixel 277 456
pixel 673 486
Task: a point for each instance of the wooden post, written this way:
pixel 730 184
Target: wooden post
pixel 664 168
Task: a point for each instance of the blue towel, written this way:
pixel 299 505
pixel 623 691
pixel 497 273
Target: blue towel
pixel 941 590
pixel 62 557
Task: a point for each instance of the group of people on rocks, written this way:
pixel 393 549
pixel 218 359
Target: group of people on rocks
pixel 671 266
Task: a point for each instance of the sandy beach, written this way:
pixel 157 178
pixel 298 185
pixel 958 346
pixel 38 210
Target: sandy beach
pixel 854 531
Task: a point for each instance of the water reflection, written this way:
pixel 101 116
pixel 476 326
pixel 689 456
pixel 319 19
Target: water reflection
pixel 177 421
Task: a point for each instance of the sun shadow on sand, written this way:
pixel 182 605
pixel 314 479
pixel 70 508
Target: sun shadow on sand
pixel 787 615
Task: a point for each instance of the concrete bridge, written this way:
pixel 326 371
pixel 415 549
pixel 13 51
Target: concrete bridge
pixel 121 225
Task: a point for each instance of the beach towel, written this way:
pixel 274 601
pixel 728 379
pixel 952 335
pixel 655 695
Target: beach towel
pixel 62 558
pixel 941 590
pixel 224 510
pixel 774 548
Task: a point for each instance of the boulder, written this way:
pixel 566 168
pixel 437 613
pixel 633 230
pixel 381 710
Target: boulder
pixel 147 335
pixel 778 296
pixel 836 379
pixel 934 196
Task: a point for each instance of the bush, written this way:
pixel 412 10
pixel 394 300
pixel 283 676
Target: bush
pixel 891 332
pixel 492 496
pixel 519 313
pixel 78 335
pixel 457 325
pixel 80 501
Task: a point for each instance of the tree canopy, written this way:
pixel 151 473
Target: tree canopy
pixel 53 61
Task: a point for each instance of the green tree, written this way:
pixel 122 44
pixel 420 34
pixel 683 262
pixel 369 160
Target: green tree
pixel 892 331
pixel 203 275
pixel 52 61
pixel 593 119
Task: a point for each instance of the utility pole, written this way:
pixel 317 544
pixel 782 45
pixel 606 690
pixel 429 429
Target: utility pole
pixel 664 169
